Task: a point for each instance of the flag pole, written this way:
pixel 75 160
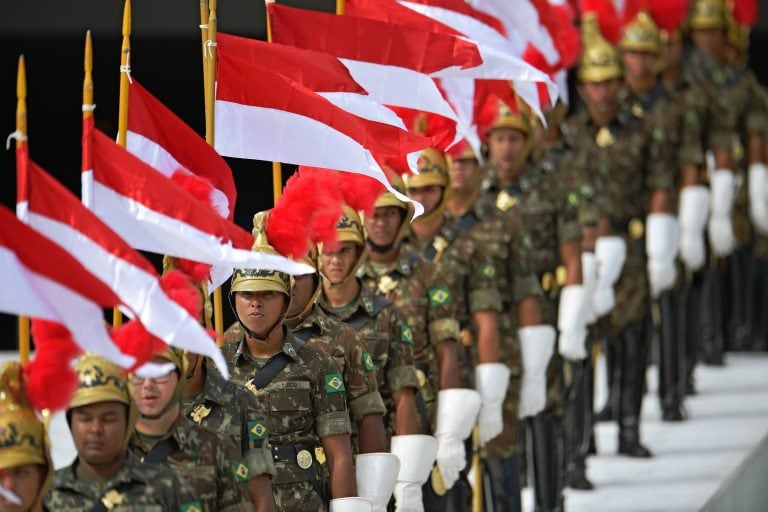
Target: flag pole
pixel 340 7
pixel 204 13
pixel 277 168
pixel 21 135
pixel 122 117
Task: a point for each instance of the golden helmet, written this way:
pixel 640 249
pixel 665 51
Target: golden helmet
pixel 433 170
pixel 98 381
pixel 505 117
pixel 599 60
pixel 737 34
pixel 708 14
pixel 641 35
pixel 260 280
pixel 350 228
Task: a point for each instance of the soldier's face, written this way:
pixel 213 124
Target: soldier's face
pixel 259 311
pixel 99 430
pixel 506 148
pixel 709 40
pixel 24 481
pixel 338 264
pixel 383 225
pixel 152 395
pixel 301 293
pixel 602 96
pixel 639 64
pixel 674 53
pixel 462 171
pixel 429 196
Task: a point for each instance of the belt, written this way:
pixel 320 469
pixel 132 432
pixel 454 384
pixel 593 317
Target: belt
pixel 302 454
pixel 634 227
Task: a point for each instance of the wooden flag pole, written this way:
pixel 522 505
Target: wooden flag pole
pixel 340 7
pixel 21 135
pixel 277 168
pixel 204 13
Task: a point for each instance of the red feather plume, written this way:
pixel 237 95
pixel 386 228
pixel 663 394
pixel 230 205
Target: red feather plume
pixel 49 377
pixel 745 12
pixel 669 15
pixel 359 192
pixel 134 340
pixel 568 40
pixel 608 18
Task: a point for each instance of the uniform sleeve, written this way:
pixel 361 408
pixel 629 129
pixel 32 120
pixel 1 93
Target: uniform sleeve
pixel 522 263
pixel 328 397
pixel 481 285
pixel 401 371
pixel 568 227
pixel 661 166
pixel 756 114
pixel 231 478
pixel 442 324
pixel 362 388
pixel 257 456
pixel 177 493
pixel 691 151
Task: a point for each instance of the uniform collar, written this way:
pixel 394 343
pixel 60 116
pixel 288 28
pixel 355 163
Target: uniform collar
pixel 289 344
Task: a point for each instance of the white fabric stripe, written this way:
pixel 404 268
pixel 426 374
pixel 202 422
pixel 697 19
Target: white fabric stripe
pixel 24 292
pixel 137 289
pixel 152 231
pixel 259 133
pixel 157 157
pixel 86 188
pixel 461 94
pixel 362 106
pixel 22 211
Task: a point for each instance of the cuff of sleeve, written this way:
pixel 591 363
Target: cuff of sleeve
pixel 333 424
pixel 487 298
pixel 444 329
pixel 370 403
pixel 402 377
pixel 259 462
pixel 526 287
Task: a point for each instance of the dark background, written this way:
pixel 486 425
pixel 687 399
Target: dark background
pixel 165 58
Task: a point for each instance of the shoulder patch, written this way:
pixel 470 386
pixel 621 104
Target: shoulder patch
pixel 439 296
pixel 334 383
pixel 241 471
pixel 489 271
pixel 368 362
pixel 257 429
pixel 406 335
pixel 193 506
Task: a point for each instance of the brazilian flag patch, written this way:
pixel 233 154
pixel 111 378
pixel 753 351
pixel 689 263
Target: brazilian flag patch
pixel 241 471
pixel 489 271
pixel 193 506
pixel 368 362
pixel 440 296
pixel 257 429
pixel 334 383
pixel 406 335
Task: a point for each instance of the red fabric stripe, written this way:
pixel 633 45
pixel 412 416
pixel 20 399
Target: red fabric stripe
pixel 51 199
pixel 393 12
pixel 44 257
pixel 119 170
pixel 370 40
pixel 22 172
pixel 463 7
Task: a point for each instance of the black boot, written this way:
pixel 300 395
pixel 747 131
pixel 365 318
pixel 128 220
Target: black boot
pixel 501 489
pixel 759 320
pixel 633 358
pixel 578 425
pixel 712 342
pixel 737 326
pixel 670 358
pixel 603 330
pixel 545 456
pixel 690 320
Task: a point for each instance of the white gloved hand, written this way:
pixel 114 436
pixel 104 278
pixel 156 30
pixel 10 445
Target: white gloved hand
pixel 457 410
pixel 610 252
pixel 376 475
pixel 491 381
pixel 589 280
pixel 537 343
pixel 661 247
pixel 417 456
pixel 349 505
pixel 572 322
pixel 692 219
pixel 720 227
pixel 758 196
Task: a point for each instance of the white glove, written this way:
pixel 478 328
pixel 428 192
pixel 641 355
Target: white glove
pixel 610 252
pixel 537 343
pixel 417 456
pixel 720 228
pixel 692 219
pixel 376 475
pixel 457 410
pixel 491 381
pixel 758 198
pixel 349 505
pixel 572 322
pixel 661 247
pixel 589 280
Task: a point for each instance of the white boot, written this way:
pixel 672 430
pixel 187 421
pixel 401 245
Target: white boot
pixel 611 252
pixel 417 456
pixel 376 475
pixel 457 410
pixel 572 322
pixel 661 247
pixel 491 381
pixel 537 343
pixel 350 505
pixel 692 219
pixel 720 227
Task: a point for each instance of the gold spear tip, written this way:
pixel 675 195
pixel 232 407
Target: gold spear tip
pixel 127 18
pixel 88 63
pixel 21 79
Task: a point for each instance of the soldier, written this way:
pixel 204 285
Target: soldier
pixel 504 239
pixel 628 164
pixel 207 460
pixel 228 408
pixel 387 337
pixel 105 474
pixel 300 386
pixel 425 299
pixel 26 469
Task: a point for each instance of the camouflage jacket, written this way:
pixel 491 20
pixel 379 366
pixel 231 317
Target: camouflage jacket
pixel 424 298
pixel 230 409
pixel 137 487
pixel 389 344
pixel 747 112
pixel 207 460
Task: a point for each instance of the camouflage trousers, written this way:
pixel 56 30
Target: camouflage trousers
pixel 293 491
pixel 632 296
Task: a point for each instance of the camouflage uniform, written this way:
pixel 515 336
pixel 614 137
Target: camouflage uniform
pixel 424 298
pixel 207 460
pixel 228 408
pixel 389 346
pixel 136 486
pixel 305 403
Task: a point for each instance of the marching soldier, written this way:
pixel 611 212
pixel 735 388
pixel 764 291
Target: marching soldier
pixel 300 386
pixel 105 474
pixel 207 460
pixel 425 299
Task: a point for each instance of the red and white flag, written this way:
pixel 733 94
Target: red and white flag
pixel 41 280
pixel 59 215
pixel 164 142
pixel 154 214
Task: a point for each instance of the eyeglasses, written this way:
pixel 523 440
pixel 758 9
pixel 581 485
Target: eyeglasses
pixel 138 381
